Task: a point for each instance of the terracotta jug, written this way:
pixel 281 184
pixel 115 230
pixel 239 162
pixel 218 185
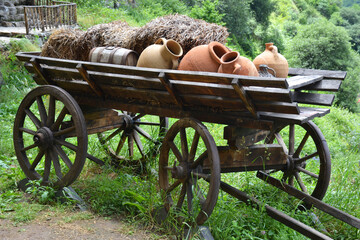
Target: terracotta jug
pixel 205 58
pixel 233 63
pixel 163 54
pixel 273 59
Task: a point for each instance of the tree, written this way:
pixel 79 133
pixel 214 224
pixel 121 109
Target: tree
pixel 320 45
pixel 323 45
pixel 207 10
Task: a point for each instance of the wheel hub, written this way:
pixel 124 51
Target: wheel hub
pixel 180 171
pixel 43 137
pixel 128 123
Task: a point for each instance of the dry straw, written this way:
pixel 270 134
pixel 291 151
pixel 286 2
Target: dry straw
pixel 188 32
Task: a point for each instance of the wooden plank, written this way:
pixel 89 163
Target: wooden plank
pixel 86 77
pixel 204 115
pixel 170 88
pixel 330 85
pixel 239 137
pixel 300 81
pixel 244 97
pixel 279 107
pixel 269 94
pixel 256 157
pixel 340 75
pixel 313 98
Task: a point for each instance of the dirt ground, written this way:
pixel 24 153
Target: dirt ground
pixel 74 226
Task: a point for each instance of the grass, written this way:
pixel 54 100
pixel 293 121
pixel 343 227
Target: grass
pixel 112 192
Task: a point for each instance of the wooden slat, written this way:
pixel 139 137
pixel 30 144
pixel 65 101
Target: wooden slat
pixel 170 88
pixel 330 85
pixel 300 81
pixel 95 87
pixel 305 115
pixel 279 107
pixel 244 97
pixel 325 73
pixel 314 98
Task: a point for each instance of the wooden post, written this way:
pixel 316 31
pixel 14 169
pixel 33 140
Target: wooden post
pixel 26 21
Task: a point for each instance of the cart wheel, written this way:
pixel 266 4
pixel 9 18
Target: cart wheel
pixel 50 137
pixel 181 174
pixel 137 128
pixel 309 164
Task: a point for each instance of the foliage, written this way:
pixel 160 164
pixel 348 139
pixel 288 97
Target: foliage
pixel 320 45
pixel 350 17
pixel 208 12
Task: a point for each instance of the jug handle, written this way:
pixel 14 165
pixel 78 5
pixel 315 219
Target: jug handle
pixel 161 41
pixel 237 68
pixel 273 70
pixel 274 50
pixel 175 63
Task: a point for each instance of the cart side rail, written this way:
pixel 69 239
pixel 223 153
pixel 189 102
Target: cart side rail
pixel 212 97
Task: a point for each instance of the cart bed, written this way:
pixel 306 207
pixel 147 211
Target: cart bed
pixel 253 102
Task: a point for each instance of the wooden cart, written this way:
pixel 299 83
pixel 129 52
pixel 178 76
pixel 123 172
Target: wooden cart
pixel 77 99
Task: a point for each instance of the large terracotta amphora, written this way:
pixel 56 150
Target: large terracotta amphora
pixel 163 54
pixel 273 59
pixel 205 58
pixel 233 63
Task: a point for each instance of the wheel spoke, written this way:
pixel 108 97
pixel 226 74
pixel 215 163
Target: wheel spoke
pixel 281 142
pixel 300 182
pixel 301 160
pixel 302 144
pixel 59 119
pixel 184 144
pixel 63 156
pixel 56 163
pixel 148 123
pixel 138 143
pixel 42 110
pixel 173 186
pixel 29 131
pixel 37 160
pixel 47 167
pixel 182 196
pixel 64 132
pixel 131 145
pixel 29 147
pixel 33 118
pixel 51 114
pixel 307 172
pixel 142 132
pixel 140 115
pixel 291 139
pixel 112 135
pixel 121 143
pixel 199 160
pixel 176 151
pixel 190 196
pixel 66 144
pixel 194 146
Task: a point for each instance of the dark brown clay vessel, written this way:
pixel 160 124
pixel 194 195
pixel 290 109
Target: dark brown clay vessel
pixel 205 58
pixel 233 63
pixel 273 59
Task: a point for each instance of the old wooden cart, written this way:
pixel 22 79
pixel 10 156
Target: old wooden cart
pixel 76 99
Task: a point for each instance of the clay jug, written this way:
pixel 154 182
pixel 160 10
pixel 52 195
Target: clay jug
pixel 205 58
pixel 273 59
pixel 233 63
pixel 163 54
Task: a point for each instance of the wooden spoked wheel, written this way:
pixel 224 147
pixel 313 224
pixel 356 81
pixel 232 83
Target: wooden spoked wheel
pixel 309 164
pixel 50 137
pixel 189 185
pixel 136 140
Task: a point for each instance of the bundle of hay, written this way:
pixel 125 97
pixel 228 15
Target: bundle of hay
pixel 63 43
pixel 98 36
pixel 188 32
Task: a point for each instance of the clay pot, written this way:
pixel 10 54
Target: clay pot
pixel 233 63
pixel 273 59
pixel 205 58
pixel 163 54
